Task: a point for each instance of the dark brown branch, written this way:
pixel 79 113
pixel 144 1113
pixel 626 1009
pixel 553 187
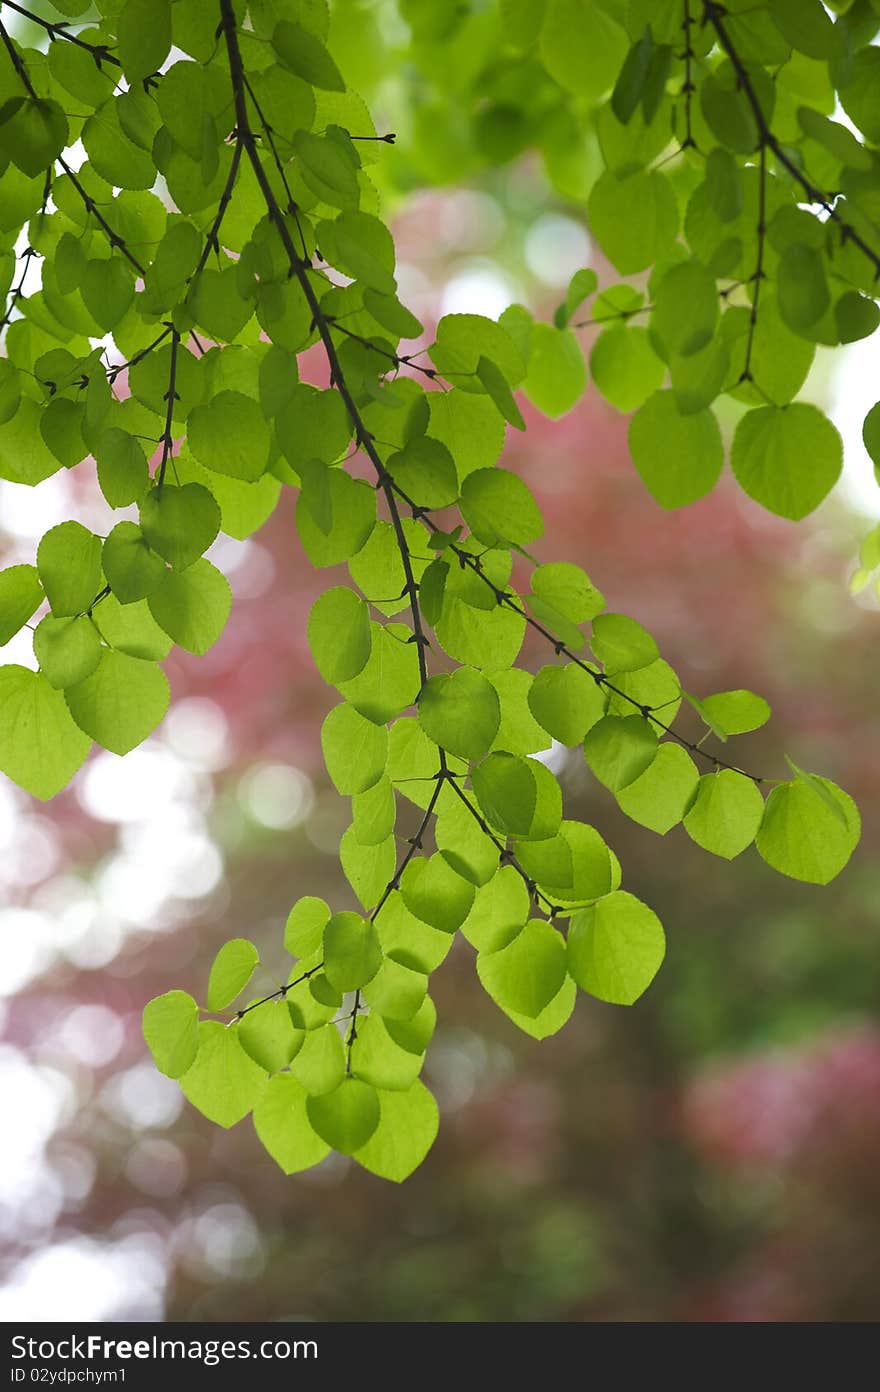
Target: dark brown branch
pixel 170 397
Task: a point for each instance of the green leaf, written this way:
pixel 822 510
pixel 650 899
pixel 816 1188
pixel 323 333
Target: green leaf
pixel 355 749
pixel 171 1029
pixel 575 866
pixel 859 92
pixel 121 702
pixel 660 797
pixel 465 846
pixel 397 992
pixel 267 1035
pixel 244 507
pixel 304 930
pixel 496 386
pixel 557 374
pixel 282 1123
pixel 339 634
pixel 726 813
pixel 500 910
pixel 373 813
pixel 231 971
pixel 856 317
pixel 347 1117
pixel 686 307
pixel 69 564
pixel 223 1082
pixel 425 470
pixel 40 746
pixel 436 894
pixel 132 568
pixel 20 595
pixel 582 47
pixel 24 455
pixel 368 869
pixel 621 644
pixel 360 246
pixel 528 973
pixel 390 679
pixel 619 749
pixel 409 939
pixel 230 435
pixel 806 25
pixel 630 82
pixel 499 508
pixel 519 731
pixel 192 606
pixel 352 504
pixel 329 169
pixel 615 948
pixel 582 284
pixel 320 1064
pixel 68 650
pixel 33 133
pixel 568 589
pixel 734 712
pixel 122 468
pixel 802 290
pixel 378 571
pixel 678 454
pixel 787 458
pixel 802 836
pixel 462 339
pixel 415 1033
pixel 179 523
pixel 567 702
pixel 634 219
pixel 625 367
pixel 727 110
pixel 312 424
pixel 871 434
pixel 131 628
pixel 551 1019
pixel 470 428
pixel 144 36
pixel 312 1003
pixel 379 1060
pixel 723 184
pixel 107 290
pixel 304 54
pixel 518 796
pixel 460 712
pixel 408 1123
pixel 655 686
pixel 352 954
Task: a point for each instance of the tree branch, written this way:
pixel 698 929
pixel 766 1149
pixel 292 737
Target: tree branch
pixel 60 30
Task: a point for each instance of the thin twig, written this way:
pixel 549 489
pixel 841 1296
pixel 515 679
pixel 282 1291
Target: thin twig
pixel 60 30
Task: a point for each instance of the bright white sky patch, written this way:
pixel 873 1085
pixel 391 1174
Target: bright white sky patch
pixel 479 290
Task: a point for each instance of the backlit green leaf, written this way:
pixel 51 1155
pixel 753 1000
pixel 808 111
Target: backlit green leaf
pixel 223 1082
pixel 41 747
pixel 231 971
pixel 726 814
pixel 615 948
pixel 171 1029
pixel 802 836
pixel 787 458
